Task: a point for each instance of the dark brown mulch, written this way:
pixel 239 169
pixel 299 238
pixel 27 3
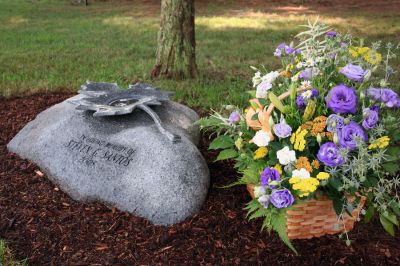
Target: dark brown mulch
pixel 43 224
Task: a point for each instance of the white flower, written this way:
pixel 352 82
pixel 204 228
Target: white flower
pixel 310 62
pixel 299 65
pixel 271 76
pixel 259 191
pixel 285 156
pixel 264 200
pixel 307 94
pixel 295 78
pixel 263 88
pixel 261 138
pixel 256 78
pixel 305 84
pixel 302 173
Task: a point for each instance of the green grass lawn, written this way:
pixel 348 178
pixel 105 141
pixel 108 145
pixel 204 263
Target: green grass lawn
pixel 52 45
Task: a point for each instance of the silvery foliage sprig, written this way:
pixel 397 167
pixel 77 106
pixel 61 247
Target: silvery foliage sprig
pixel 391 50
pixel 219 122
pixel 311 41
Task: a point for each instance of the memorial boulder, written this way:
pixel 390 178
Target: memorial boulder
pixel 132 149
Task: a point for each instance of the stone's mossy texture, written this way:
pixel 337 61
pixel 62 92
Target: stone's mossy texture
pixel 123 161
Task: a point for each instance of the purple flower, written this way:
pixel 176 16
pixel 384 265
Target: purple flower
pixel 264 200
pixel 353 72
pixel 329 154
pixel 278 50
pixel 306 74
pixel 281 46
pixel 314 93
pixel 343 45
pixel 282 130
pixel 334 123
pixel 300 102
pixel 387 96
pixel 331 34
pixel 390 98
pixel 349 133
pixel 289 50
pixel 371 117
pixel 284 47
pixel 269 174
pixel 234 117
pixel 342 99
pixel 281 198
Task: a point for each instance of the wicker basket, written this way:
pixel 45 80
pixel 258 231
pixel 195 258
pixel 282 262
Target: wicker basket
pixel 316 218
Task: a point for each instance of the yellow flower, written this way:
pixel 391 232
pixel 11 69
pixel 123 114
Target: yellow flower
pixel 353 52
pixel 304 185
pixel 359 51
pixel 278 168
pixel 363 50
pixel 323 175
pixel 289 67
pixel 298 139
pixel 260 153
pixel 380 143
pixel 373 58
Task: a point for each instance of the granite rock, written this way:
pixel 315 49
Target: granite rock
pixel 122 161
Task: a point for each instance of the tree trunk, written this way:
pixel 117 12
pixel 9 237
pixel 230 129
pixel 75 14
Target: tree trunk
pixel 176 57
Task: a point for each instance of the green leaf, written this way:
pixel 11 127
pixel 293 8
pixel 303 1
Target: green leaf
pixel 252 93
pixel 207 122
pixel 263 101
pixel 391 168
pixel 222 142
pixel 335 182
pixel 279 225
pixel 393 151
pixel 395 207
pixel 254 117
pixel 387 225
pixel 338 205
pixel 226 154
pixel 391 217
pixel 369 214
pixel 261 212
pixel 254 105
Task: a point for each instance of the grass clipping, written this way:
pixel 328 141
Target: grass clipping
pixel 7 258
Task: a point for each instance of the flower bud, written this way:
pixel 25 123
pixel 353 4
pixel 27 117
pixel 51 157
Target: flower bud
pixel 229 107
pixel 239 143
pixel 335 138
pixel 367 75
pixel 334 124
pixel 271 122
pixel 273 183
pixel 319 138
pixel 347 120
pixel 383 83
pixel 362 95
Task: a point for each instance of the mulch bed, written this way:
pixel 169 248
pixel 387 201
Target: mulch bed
pixel 43 224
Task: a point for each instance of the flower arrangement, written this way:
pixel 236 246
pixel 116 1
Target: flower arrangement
pixel 326 123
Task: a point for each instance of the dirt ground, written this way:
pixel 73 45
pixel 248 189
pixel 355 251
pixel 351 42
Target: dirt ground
pixel 43 224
